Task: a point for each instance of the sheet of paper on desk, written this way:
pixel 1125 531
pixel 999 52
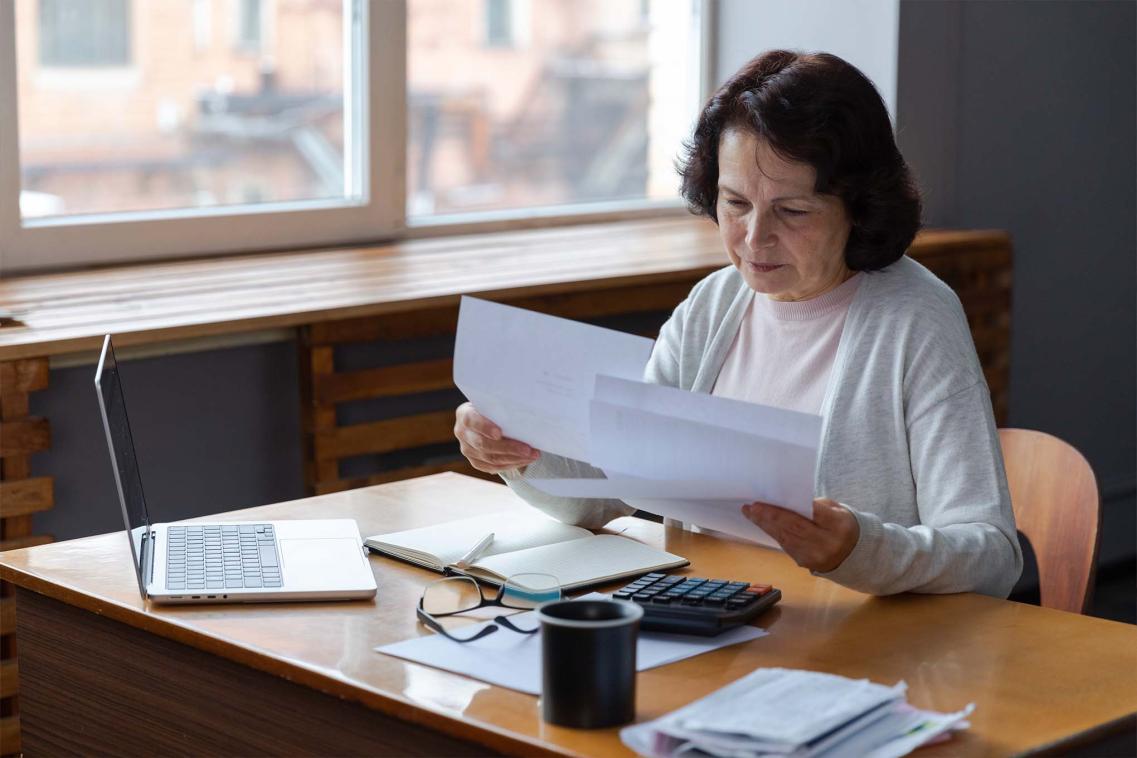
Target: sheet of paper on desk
pixel 513 660
pixel 534 374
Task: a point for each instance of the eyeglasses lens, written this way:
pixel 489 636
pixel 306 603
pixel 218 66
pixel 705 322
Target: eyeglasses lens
pixel 452 595
pixel 530 590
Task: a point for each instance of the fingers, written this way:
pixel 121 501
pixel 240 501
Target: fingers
pixel 813 544
pixel 481 442
pixel 468 418
pixel 779 523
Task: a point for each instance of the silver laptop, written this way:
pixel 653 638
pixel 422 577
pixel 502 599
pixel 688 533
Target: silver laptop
pixel 234 562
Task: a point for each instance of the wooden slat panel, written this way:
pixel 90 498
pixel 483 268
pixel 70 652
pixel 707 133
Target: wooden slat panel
pixel 23 376
pixel 9 676
pixel 24 437
pixel 594 303
pixel 409 472
pixel 10 735
pixel 428 322
pixel 316 363
pixel 8 615
pixel 26 496
pixel 14 406
pixel 610 302
pixel 385 436
pixel 39 539
pixel 407 379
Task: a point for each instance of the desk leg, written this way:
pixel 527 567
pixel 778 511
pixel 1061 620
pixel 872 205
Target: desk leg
pixel 93 686
pixel 21 435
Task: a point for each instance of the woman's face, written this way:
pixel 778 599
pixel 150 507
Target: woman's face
pixel 786 240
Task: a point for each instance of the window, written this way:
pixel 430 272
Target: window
pixel 499 23
pixel 249 21
pixel 136 130
pixel 84 32
pixel 561 103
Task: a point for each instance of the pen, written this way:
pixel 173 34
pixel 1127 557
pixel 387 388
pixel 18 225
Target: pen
pixel 475 552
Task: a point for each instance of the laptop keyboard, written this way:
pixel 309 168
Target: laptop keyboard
pixel 221 556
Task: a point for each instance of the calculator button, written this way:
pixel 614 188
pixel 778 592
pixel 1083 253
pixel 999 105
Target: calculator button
pixel 641 597
pixel 670 580
pixel 712 600
pixel 621 595
pixel 653 576
pixel 692 601
pixel 662 599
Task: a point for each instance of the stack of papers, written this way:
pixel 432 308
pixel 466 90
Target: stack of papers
pixel 576 391
pixel 803 714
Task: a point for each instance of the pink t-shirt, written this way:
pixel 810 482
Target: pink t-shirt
pixel 784 351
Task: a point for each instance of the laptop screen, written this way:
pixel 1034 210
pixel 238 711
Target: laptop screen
pixel 112 403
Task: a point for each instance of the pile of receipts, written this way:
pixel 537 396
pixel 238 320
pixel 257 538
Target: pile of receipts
pixel 785 712
pixel 577 391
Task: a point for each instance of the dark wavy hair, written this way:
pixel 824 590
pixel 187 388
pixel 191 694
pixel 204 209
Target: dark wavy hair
pixel 820 110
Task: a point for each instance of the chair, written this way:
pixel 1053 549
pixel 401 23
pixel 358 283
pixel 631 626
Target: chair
pixel 1054 496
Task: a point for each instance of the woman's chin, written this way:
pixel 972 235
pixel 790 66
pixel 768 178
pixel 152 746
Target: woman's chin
pixel 766 283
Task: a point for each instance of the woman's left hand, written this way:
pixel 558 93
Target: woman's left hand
pixel 821 544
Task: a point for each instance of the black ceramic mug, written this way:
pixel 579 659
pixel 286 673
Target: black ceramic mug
pixel 588 662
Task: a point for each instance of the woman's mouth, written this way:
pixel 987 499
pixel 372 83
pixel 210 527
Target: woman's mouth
pixel 763 268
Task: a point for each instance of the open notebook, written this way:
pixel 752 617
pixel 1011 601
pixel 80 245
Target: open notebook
pixel 528 543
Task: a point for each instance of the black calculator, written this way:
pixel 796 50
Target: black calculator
pixel 693 605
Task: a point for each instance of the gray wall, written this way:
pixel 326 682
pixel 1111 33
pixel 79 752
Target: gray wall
pixel 1017 116
pixel 1020 116
pixel 215 431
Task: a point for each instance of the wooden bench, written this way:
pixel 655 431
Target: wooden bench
pixel 630 274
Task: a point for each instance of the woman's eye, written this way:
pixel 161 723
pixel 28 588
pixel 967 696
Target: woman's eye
pixel 794 211
pixel 736 203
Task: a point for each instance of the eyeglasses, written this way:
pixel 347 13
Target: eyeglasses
pixel 462 593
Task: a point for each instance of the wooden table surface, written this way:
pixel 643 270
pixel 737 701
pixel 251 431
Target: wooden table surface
pixel 1036 675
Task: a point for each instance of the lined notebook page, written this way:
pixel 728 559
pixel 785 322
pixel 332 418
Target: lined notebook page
pixel 580 563
pixel 446 543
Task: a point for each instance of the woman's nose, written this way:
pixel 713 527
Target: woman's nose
pixel 758 234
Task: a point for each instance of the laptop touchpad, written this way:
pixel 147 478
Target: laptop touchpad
pixel 320 561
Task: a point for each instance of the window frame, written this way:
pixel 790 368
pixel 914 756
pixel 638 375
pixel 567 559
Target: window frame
pixel 379 216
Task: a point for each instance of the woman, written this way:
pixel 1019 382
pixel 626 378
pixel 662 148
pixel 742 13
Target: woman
pixel 820 311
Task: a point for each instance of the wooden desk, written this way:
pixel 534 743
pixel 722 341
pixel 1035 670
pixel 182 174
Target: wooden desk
pixel 103 673
pixel 388 295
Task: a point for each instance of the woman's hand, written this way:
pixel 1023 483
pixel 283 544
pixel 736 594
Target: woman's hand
pixel 482 443
pixel 819 545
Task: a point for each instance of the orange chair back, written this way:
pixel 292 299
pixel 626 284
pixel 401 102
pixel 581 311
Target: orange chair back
pixel 1055 499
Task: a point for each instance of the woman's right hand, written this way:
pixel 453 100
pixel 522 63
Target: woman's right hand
pixel 484 446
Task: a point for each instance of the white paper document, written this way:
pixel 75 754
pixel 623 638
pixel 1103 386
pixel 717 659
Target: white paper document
pixel 805 714
pixel 513 660
pixel 534 374
pixel 791 427
pixel 575 390
pixel 694 457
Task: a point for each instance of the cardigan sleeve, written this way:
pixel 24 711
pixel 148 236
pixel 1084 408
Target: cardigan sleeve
pixel 966 540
